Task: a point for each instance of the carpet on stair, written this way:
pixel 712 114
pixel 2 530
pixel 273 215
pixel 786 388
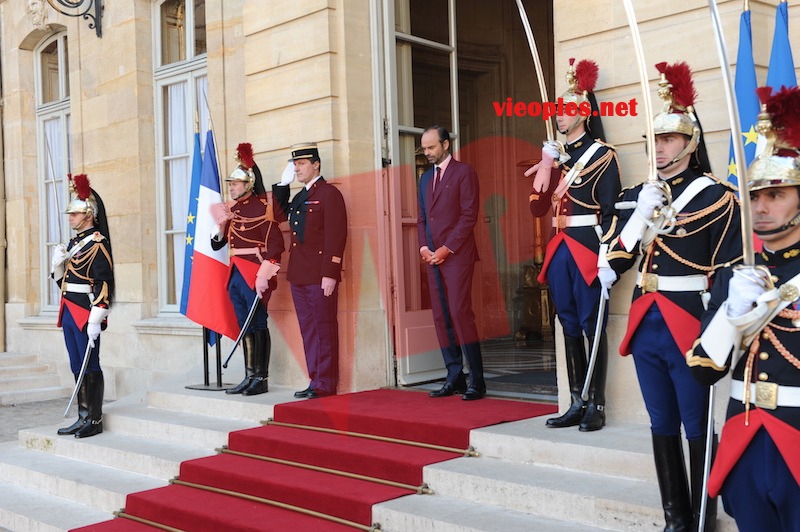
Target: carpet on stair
pixel 405 415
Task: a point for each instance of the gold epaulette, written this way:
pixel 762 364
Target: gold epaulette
pixel 606 144
pixel 724 182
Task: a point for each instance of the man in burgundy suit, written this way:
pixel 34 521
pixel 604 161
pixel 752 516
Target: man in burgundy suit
pixel 448 209
pixel 318 223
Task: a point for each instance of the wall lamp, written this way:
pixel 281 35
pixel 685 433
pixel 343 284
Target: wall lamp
pixel 83 8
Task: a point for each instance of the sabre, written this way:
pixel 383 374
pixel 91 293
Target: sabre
pixel 244 328
pixel 748 252
pixel 601 310
pixel 665 217
pixel 78 381
pixel 537 63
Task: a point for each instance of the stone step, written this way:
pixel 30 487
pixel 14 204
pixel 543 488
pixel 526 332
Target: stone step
pixel 254 409
pixel 22 370
pixel 135 454
pixel 102 487
pixel 17 359
pixel 28 382
pixel 33 395
pixel 22 508
pixel 612 502
pixel 163 425
pixel 618 450
pixel 436 513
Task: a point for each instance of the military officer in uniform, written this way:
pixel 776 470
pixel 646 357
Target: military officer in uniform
pixel 681 246
pixel 318 223
pixel 752 328
pixel 255 244
pixel 579 192
pixel 84 270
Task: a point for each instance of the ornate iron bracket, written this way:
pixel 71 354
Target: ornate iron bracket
pixel 83 8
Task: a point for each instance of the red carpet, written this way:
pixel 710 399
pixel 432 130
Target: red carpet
pixel 405 415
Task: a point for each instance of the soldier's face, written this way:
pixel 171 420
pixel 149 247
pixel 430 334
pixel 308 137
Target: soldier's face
pixel 668 146
pixel 237 189
pixel 771 209
pixel 435 150
pixel 305 170
pixel 79 221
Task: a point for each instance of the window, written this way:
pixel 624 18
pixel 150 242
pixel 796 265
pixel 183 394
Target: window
pixel 181 86
pixel 55 153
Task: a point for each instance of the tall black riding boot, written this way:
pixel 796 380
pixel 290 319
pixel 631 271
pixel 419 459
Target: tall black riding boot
pixel 83 410
pixel 94 421
pixel 697 454
pixel 248 347
pixel 672 482
pixel 595 416
pixel 576 371
pixel 263 345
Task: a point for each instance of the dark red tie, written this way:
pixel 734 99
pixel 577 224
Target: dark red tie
pixel 438 178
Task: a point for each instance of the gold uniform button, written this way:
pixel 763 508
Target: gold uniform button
pixel 295 223
pixel 763 355
pixel 655 266
pixel 656 253
pixel 320 252
pixel 763 376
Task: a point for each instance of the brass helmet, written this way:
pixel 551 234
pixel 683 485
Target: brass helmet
pixel 582 78
pixel 676 89
pixel 244 169
pixel 85 201
pixel 779 164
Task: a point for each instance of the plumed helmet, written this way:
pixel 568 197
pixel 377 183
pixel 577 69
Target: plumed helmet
pixel 582 78
pixel 779 121
pixel 246 169
pixel 677 91
pixel 85 201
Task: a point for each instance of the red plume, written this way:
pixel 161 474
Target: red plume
pixel 586 72
pixel 784 108
pixel 764 93
pixel 661 67
pixel 679 76
pixel 82 188
pixel 244 152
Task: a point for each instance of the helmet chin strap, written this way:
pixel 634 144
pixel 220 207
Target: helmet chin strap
pixel 578 120
pixel 788 225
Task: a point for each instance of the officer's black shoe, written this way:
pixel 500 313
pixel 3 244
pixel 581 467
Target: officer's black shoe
pixel 312 395
pixel 302 394
pixel 452 388
pixel 72 429
pixel 258 386
pixel 572 417
pixel 473 393
pixel 241 387
pixel 91 428
pixel 594 418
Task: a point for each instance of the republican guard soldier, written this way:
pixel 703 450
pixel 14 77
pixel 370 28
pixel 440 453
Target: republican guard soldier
pixel 84 270
pixel 752 328
pixel 681 245
pixel 255 244
pixel 578 192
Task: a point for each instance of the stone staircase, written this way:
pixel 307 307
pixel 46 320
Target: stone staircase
pixel 527 477
pixel 24 380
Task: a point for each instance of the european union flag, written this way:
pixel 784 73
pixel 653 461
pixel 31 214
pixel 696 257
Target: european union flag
pixel 191 219
pixel 745 86
pixel 781 64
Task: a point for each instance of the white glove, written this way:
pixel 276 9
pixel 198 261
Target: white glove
pixel 745 287
pixel 607 278
pixel 649 199
pixel 93 330
pixel 216 233
pixel 287 177
pixel 59 256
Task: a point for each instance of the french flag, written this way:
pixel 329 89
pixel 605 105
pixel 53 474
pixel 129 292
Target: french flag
pixel 205 298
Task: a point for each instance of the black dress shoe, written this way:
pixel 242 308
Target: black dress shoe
pixel 90 428
pixel 571 418
pixel 473 393
pixel 311 395
pixel 302 394
pixel 593 419
pixel 449 389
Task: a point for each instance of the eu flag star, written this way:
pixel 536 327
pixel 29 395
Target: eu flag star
pixel 189 239
pixel 190 219
pixel 732 168
pixel 750 137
